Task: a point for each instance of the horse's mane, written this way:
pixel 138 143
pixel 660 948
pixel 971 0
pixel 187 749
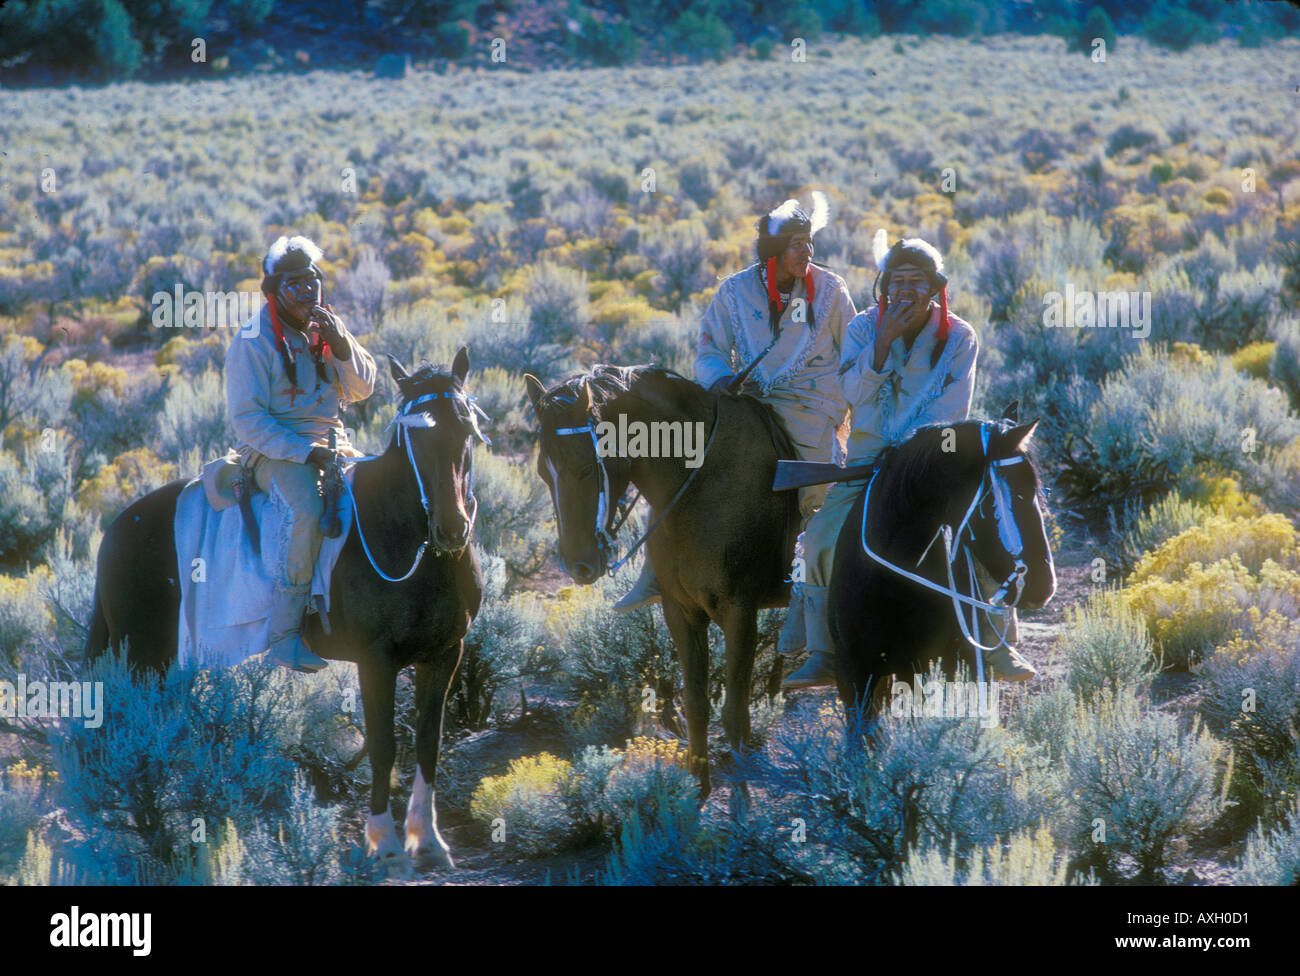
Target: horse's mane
pixel 607 382
pixel 919 461
pixel 426 371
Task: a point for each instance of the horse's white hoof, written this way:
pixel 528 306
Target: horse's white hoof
pixel 384 847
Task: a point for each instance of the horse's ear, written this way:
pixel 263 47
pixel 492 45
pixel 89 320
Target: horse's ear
pixel 535 389
pixel 460 365
pixel 1011 411
pixel 584 401
pixel 397 369
pixel 1018 437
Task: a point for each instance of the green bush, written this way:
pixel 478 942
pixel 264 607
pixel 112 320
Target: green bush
pixel 1106 648
pixel 1096 24
pixel 1177 27
pixel 1139 784
pixel 1144 529
pixel 1273 854
pixel 515 517
pixel 194 415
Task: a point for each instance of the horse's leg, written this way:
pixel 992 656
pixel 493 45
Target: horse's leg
pixel 423 842
pixel 741 633
pixel 378 689
pixel 690 634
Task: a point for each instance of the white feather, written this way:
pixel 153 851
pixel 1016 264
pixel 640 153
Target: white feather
pixel 880 248
pixel 780 215
pixel 820 212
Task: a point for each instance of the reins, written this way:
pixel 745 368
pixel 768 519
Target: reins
pixel 1009 536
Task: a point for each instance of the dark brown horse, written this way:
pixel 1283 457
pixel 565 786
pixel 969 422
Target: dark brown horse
pixel 975 479
pixel 411 498
pixel 722 551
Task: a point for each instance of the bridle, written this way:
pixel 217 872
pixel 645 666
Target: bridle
pixel 605 532
pixel 412 414
pixel 957 546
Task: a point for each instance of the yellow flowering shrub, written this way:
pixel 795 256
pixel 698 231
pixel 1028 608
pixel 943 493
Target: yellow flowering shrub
pixel 130 476
pixel 1254 359
pixel 1253 540
pixel 531 801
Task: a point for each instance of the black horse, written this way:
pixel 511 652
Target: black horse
pixel 412 497
pixel 973 478
pixel 722 551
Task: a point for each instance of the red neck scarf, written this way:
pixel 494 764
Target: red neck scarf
pixel 776 307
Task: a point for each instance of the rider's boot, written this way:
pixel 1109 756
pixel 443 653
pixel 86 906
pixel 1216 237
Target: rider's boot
pixel 644 592
pixel 287 647
pixel 1002 663
pixel 819 670
pixel 792 638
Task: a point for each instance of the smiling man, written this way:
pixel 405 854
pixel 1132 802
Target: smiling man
pixel 906 362
pixel 785 317
pixel 284 383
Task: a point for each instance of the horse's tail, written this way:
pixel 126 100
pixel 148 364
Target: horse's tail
pixel 97 639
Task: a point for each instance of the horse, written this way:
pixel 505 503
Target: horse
pixel 414 496
pixel 950 494
pixel 725 542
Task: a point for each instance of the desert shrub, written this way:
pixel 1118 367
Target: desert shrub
pixel 531 800
pixel 1273 854
pixel 950 784
pixel 129 477
pixel 557 303
pixel 1253 690
pixel 504 398
pixel 194 745
pixel 19 813
pixel 1046 719
pixel 1252 540
pixel 610 658
pixel 1096 24
pixel 1254 359
pixel 1163 413
pixel 1206 607
pixel 1106 647
pixel 515 519
pixel 703 35
pixel 504 644
pixel 678 253
pixel 1177 27
pixel 1026 859
pixel 300 847
pixel 32 395
pixel 362 291
pixel 25 614
pixel 412 333
pixel 1142 530
pixel 34 493
pixel 194 415
pixel 1284 367
pixel 612 786
pixel 1146 782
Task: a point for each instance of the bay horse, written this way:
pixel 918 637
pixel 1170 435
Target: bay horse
pixel 721 552
pixel 950 494
pixel 412 497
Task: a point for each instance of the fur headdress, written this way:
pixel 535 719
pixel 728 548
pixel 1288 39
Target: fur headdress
pixel 908 250
pixel 286 255
pixel 777 227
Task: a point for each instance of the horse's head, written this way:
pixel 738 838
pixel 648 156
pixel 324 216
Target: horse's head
pixel 1006 513
pixel 585 487
pixel 437 424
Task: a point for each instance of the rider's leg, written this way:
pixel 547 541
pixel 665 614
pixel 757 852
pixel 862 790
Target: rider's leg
pixel 819 540
pixel 1002 663
pixel 645 590
pixel 292 487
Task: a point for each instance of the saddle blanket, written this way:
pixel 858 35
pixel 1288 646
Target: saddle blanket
pixel 225 615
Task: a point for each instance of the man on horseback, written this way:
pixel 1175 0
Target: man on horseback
pixel 283 428
pixel 905 362
pixel 780 323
